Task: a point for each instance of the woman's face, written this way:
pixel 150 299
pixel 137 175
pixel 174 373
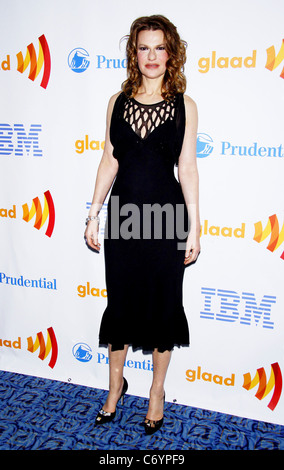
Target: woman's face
pixel 151 53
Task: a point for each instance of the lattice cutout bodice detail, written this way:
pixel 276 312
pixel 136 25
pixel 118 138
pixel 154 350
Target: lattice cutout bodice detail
pixel 144 118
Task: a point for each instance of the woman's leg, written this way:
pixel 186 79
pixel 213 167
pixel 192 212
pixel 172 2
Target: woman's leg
pixel 160 366
pixel 116 363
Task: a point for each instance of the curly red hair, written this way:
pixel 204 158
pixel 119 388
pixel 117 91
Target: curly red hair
pixel 174 79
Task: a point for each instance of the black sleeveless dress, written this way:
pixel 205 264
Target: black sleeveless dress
pixel 146 229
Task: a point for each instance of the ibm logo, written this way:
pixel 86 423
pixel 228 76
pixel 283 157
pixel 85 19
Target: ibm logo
pixel 15 140
pixel 243 308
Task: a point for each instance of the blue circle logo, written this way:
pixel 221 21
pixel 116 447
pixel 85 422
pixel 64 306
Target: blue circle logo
pixel 78 60
pixel 82 352
pixel 204 145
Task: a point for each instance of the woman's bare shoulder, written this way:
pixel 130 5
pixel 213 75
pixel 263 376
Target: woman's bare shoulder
pixel 111 102
pixel 191 113
pixel 113 98
pixel 190 104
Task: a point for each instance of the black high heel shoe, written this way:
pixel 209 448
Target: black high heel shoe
pixel 152 426
pixel 104 416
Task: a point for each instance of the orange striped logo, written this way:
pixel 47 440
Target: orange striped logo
pixel 274 60
pixel 41 214
pixel 264 388
pixel 272 229
pixel 45 347
pixel 36 62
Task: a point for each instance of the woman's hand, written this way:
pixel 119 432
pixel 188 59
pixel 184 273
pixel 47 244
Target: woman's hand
pixel 91 234
pixel 192 249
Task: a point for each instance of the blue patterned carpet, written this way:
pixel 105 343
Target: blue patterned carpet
pixel 41 414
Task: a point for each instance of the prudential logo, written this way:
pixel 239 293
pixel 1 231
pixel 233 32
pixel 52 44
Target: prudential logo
pixel 79 60
pixel 82 352
pixel 247 150
pixel 204 145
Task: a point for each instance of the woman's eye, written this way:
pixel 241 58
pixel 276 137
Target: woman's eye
pixel 142 48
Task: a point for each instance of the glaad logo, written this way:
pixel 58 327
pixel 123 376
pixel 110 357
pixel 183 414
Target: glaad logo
pixel 192 375
pixel 78 60
pixel 264 387
pixel 205 63
pixel 88 290
pixel 88 144
pixel 273 60
pixel 45 347
pixel 36 63
pixel 41 214
pixel 272 229
pixel 216 230
pixel 8 343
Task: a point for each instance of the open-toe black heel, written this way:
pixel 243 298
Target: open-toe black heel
pixel 152 426
pixel 104 416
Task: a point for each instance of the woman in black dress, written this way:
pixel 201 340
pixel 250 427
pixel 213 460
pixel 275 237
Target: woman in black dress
pixel 153 228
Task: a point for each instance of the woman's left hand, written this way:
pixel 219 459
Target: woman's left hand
pixel 192 249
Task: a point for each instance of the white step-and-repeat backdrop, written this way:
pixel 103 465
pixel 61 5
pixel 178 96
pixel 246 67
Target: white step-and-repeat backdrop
pixel 60 61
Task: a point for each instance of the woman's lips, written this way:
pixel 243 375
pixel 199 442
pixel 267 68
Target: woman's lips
pixel 151 66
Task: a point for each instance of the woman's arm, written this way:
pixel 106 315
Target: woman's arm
pixel 189 180
pixel 107 171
